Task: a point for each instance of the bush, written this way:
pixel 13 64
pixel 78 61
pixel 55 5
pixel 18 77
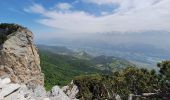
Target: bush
pixel 91 87
pixel 8 29
pixel 130 80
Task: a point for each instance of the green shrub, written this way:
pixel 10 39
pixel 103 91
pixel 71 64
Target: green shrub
pixel 7 30
pixel 130 80
pixel 91 87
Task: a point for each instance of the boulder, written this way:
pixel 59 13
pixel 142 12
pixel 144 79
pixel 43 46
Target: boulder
pixel 58 94
pixel 46 99
pixel 4 82
pixel 9 89
pixel 71 91
pixel 39 93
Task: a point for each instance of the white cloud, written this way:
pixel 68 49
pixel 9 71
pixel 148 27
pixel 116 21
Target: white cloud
pixel 102 2
pixel 131 15
pixel 36 8
pixel 104 13
pixel 63 6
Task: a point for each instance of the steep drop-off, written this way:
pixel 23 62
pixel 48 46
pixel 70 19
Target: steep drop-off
pixel 19 59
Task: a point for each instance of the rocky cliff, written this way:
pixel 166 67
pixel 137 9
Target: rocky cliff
pixel 20 72
pixel 19 59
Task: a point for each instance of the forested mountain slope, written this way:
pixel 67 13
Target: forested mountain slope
pixel 60 68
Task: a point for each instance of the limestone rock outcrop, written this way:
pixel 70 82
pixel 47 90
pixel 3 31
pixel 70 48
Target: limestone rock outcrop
pixel 58 94
pixel 20 72
pixel 19 58
pixel 71 90
pixel 15 91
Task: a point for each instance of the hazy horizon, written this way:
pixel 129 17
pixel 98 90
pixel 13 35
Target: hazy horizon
pixel 108 22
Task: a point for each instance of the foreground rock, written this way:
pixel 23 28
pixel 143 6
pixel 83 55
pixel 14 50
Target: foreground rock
pixel 11 91
pixel 19 59
pixel 58 94
pixel 20 72
pixel 71 90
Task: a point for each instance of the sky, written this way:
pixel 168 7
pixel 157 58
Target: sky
pixel 92 19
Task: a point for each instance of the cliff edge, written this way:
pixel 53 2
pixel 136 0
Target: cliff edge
pixel 19 59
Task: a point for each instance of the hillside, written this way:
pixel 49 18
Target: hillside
pixel 110 63
pixel 60 68
pixel 142 84
pixel 56 49
pixel 144 55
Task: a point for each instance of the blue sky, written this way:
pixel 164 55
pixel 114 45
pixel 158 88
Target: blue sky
pixel 118 15
pixel 12 11
pixel 86 18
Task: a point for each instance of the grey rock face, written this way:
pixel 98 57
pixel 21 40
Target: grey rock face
pixel 8 89
pixel 39 93
pixel 58 94
pixel 71 91
pixel 19 59
pixel 11 91
pixel 20 72
pixel 14 91
pixel 4 82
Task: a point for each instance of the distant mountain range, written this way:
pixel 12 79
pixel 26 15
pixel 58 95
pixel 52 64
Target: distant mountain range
pixel 145 48
pixel 96 61
pixel 143 55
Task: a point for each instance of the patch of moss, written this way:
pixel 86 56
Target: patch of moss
pixel 7 30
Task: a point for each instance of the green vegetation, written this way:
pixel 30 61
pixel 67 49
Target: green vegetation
pixel 2 38
pixel 130 80
pixel 165 75
pixel 7 30
pixel 135 81
pixel 82 55
pixel 103 77
pixel 165 69
pixel 91 87
pixel 61 69
pixel 110 63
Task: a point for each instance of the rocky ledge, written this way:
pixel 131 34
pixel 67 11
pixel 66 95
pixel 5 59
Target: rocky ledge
pixel 15 91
